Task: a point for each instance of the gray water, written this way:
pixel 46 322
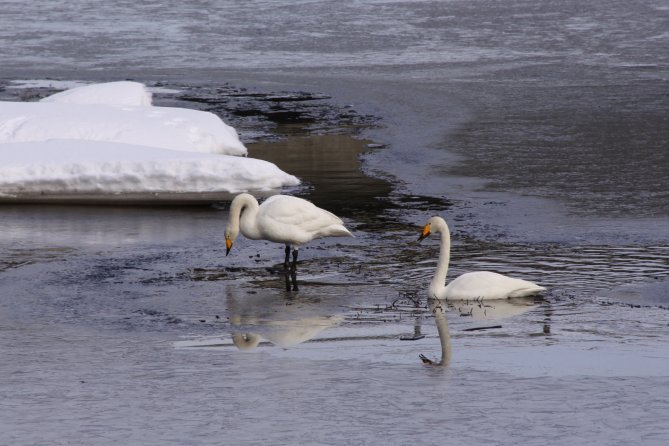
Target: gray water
pixel 537 129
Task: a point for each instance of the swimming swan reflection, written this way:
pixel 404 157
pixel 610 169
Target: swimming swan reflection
pixel 491 309
pixel 479 285
pixel 437 309
pixel 477 310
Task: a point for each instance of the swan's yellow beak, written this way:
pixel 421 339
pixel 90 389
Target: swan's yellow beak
pixel 424 233
pixel 228 245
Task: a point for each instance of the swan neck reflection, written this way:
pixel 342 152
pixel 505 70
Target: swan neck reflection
pixel 437 308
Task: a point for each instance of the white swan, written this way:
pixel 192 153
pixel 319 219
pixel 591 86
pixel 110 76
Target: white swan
pixel 479 285
pixel 281 219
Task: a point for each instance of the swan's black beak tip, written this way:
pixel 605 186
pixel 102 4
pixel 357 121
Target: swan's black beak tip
pixel 424 233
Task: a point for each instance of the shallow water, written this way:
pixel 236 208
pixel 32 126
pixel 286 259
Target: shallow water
pixel 515 121
pixel 131 325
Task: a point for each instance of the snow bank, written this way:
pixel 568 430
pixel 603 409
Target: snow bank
pixel 88 169
pixel 106 142
pixel 162 127
pixel 110 93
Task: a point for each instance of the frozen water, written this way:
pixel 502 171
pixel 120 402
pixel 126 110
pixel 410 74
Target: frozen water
pixel 282 34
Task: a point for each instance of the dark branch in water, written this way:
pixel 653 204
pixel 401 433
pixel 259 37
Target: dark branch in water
pixel 482 328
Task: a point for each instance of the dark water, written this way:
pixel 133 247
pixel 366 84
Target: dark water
pixel 538 129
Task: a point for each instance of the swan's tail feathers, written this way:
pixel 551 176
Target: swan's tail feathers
pixel 528 291
pixel 340 231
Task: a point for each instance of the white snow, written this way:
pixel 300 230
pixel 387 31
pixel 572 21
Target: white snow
pixel 94 142
pixel 110 93
pixel 163 127
pixel 76 167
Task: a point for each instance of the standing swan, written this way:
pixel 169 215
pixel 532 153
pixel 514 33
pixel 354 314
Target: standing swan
pixel 281 219
pixel 478 285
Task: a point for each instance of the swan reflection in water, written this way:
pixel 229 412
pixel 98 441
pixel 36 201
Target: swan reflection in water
pixel 492 309
pixel 282 333
pixel 275 320
pixel 477 310
pixel 437 308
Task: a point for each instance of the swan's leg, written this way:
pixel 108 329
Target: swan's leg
pixel 287 261
pixel 294 266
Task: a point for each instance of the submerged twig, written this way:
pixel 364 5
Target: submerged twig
pixel 481 328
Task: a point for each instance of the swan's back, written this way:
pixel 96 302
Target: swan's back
pixel 488 285
pixel 283 218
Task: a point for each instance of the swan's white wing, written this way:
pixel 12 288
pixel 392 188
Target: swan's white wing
pixel 294 211
pixel 488 285
pixel 283 218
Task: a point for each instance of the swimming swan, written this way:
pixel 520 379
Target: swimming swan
pixel 479 285
pixel 281 219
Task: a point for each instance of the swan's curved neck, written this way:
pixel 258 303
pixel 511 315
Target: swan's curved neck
pixel 243 212
pixel 439 280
